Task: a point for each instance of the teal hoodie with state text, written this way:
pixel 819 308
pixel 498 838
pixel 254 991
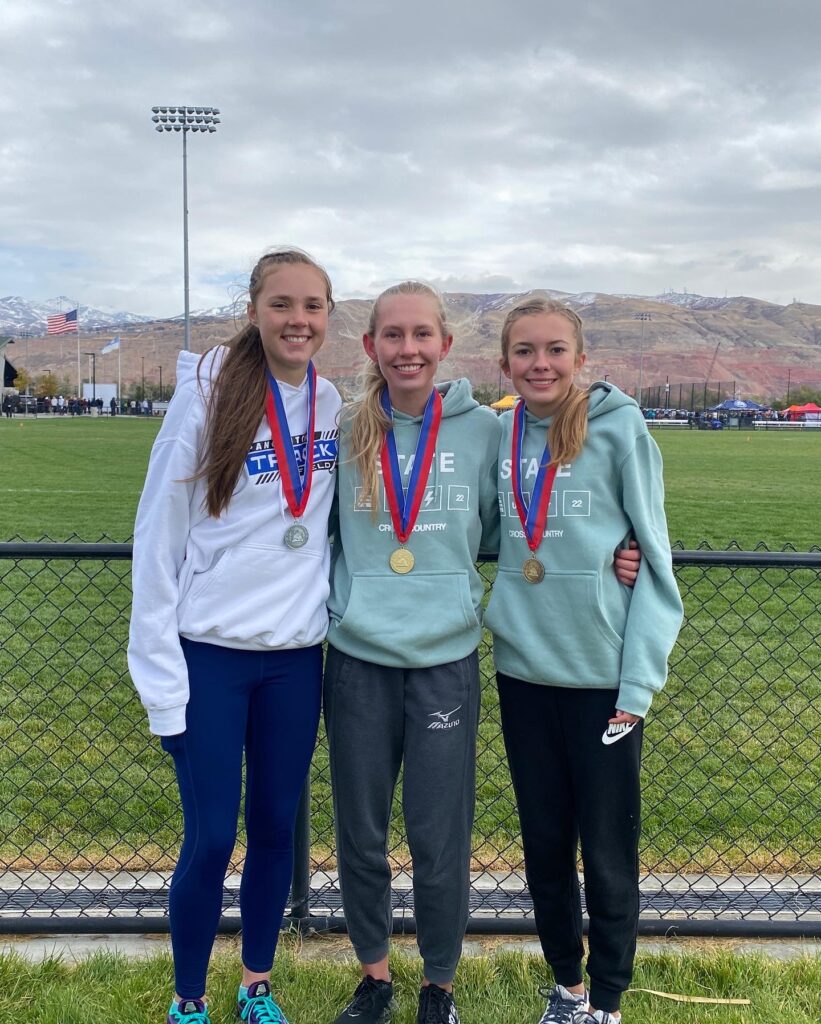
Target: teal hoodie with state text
pixel 580 627
pixel 431 615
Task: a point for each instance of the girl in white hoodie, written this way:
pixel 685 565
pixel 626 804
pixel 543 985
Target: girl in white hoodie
pixel 230 579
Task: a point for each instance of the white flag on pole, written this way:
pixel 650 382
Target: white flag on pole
pixel 112 346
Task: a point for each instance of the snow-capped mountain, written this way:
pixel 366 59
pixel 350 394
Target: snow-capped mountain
pixel 21 316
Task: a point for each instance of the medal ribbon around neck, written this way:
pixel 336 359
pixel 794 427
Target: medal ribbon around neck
pixel 404 510
pixel 534 516
pixel 295 487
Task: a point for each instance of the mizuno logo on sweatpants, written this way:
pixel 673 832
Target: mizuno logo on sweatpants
pixel 616 731
pixel 444 720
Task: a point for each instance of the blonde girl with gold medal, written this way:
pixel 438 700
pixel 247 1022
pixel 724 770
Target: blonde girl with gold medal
pixel 578 655
pixel 417 502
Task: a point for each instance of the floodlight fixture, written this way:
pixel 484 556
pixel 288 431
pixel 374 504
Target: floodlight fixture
pixel 185 119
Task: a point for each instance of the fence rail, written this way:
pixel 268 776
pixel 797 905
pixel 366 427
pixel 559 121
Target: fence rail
pixel 89 818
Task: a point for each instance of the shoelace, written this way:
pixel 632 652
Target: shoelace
pixel 365 996
pixel 191 1018
pixel 437 1006
pixel 264 1009
pixel 557 1010
pixel 585 1017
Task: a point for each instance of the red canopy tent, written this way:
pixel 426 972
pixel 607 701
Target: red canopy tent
pixel 808 411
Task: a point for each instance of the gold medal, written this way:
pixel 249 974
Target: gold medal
pixel 402 560
pixel 533 570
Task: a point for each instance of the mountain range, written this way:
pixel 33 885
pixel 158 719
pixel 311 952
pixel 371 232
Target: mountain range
pixel 756 348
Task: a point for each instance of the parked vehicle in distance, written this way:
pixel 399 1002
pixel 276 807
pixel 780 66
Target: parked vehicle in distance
pixel 27 403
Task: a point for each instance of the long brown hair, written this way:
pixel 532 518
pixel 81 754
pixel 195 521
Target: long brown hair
pixel 236 403
pixel 368 421
pixel 568 430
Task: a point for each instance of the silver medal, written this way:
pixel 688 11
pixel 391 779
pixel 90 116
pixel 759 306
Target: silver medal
pixel 296 535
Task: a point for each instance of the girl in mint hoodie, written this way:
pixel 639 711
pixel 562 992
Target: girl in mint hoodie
pixel 417 501
pixel 578 655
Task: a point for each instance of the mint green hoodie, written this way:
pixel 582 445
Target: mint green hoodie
pixel 580 627
pixel 432 615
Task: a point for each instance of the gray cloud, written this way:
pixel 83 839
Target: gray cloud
pixel 614 146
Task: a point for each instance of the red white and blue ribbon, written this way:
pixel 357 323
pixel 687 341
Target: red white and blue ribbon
pixel 405 508
pixel 533 516
pixel 295 486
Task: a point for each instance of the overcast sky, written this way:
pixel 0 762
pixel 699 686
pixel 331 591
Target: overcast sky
pixel 488 145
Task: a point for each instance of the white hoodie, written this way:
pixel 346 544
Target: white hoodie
pixel 230 581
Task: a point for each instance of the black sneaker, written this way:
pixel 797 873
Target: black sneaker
pixel 561 1005
pixel 371 1004
pixel 436 1006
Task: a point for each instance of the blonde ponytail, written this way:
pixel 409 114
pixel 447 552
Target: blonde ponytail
pixel 369 425
pixel 568 431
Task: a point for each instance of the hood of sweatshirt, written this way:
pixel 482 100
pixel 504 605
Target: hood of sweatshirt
pixel 457 398
pixel 605 397
pixel 193 368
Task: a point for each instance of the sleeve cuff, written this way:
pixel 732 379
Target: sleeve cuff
pixel 635 698
pixel 167 721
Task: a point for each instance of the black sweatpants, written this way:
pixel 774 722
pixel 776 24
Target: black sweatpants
pixel 572 786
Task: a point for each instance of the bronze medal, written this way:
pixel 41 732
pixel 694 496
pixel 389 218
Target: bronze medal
pixel 402 561
pixel 533 570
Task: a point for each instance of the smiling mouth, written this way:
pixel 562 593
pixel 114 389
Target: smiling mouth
pixel 296 339
pixel 408 367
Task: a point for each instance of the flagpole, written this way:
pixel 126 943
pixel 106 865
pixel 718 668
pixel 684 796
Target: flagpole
pixel 119 373
pixel 79 384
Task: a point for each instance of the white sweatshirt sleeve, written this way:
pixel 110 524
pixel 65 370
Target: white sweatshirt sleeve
pixel 155 657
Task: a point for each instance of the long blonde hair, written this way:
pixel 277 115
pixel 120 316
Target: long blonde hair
pixel 368 422
pixel 236 403
pixel 568 430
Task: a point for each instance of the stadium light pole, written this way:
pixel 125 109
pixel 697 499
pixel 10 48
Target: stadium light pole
pixel 160 369
pixel 644 317
pixel 185 120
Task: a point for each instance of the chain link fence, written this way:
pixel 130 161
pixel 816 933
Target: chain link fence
pixel 89 815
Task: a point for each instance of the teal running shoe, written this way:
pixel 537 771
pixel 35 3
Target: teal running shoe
pixel 259 1007
pixel 188 1011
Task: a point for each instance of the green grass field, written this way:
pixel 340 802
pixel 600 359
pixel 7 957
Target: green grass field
pixel 502 988
pixel 82 477
pixel 732 758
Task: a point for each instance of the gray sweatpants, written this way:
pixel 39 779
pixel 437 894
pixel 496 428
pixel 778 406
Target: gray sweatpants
pixel 376 718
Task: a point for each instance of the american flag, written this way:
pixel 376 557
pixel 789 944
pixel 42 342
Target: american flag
pixel 62 323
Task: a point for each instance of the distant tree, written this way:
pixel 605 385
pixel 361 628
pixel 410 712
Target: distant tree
pixel 47 385
pixel 801 394
pixel 22 381
pixel 485 394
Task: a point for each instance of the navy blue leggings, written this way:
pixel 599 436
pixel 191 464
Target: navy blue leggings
pixel 266 702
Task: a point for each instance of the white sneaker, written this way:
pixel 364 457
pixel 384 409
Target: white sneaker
pixel 562 1005
pixel 596 1017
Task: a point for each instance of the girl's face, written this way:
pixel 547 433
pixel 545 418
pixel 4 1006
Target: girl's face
pixel 408 345
pixel 291 312
pixel 542 361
